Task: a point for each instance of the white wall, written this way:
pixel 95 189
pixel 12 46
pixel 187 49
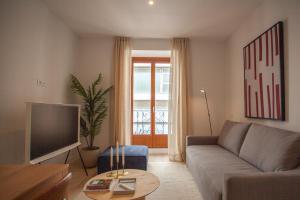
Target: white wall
pixel 95 55
pixel 207 71
pixel 35 45
pixel 269 13
pixel 151 44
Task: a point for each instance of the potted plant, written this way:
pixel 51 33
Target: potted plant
pixel 93 112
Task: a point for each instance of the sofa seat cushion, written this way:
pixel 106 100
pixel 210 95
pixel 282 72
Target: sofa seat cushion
pixel 271 149
pixel 209 163
pixel 232 135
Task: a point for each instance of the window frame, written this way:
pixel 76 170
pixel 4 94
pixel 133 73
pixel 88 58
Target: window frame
pixel 153 140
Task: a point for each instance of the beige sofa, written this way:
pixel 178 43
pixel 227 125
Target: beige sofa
pixel 246 162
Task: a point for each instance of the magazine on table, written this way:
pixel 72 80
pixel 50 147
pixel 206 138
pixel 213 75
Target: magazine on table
pixel 99 185
pixel 125 186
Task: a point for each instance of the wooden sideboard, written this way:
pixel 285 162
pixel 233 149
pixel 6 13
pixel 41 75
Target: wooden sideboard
pixel 29 181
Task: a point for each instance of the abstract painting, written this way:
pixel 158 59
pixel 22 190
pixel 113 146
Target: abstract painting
pixel 264 75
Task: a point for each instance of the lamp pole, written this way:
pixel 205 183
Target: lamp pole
pixel 208 113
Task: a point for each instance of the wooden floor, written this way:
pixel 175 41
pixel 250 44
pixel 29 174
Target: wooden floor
pixel 78 179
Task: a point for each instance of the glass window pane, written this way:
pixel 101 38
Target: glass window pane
pixel 158 79
pixel 162 72
pixel 141 121
pixel 142 80
pixel 165 88
pixel 141 99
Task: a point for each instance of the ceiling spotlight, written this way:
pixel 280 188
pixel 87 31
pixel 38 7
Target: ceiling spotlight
pixel 151 2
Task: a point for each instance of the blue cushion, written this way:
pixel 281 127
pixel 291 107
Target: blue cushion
pixel 136 157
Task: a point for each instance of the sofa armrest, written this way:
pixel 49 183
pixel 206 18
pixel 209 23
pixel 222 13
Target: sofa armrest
pixel 262 186
pixel 201 140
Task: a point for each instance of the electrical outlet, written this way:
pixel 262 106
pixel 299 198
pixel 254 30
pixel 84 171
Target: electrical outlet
pixel 43 84
pixel 40 83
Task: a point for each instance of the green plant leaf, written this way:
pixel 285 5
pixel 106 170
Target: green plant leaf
pixel 101 93
pixel 77 87
pixel 83 127
pixel 94 107
pixel 96 82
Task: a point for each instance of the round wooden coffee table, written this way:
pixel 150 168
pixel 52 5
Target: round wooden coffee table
pixel 146 183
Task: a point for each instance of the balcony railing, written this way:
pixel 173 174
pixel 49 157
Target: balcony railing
pixel 142 122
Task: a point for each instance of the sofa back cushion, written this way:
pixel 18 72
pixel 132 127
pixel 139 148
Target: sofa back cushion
pixel 232 136
pixel 271 149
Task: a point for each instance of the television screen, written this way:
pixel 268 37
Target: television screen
pixel 52 128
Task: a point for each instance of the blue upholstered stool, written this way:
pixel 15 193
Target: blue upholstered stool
pixel 136 157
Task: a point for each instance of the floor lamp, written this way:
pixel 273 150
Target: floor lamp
pixel 208 113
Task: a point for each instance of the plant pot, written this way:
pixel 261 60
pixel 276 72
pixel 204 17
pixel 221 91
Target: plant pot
pixel 90 156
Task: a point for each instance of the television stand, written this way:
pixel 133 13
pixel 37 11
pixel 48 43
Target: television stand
pixel 81 160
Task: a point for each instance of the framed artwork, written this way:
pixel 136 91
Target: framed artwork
pixel 264 75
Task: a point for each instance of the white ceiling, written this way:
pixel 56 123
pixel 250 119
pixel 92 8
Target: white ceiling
pixel 167 18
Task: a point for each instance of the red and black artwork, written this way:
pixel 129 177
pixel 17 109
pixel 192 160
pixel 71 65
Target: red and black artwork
pixel 264 75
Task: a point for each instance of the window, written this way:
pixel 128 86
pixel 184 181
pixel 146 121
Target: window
pixel 150 101
pixel 162 78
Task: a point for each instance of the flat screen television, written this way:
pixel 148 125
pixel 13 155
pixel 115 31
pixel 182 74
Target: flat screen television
pixel 51 129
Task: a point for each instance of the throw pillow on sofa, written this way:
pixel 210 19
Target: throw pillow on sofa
pixel 271 149
pixel 232 135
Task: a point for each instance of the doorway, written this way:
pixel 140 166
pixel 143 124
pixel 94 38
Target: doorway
pixel 150 95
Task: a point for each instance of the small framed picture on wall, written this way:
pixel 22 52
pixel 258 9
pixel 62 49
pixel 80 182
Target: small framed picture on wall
pixel 264 96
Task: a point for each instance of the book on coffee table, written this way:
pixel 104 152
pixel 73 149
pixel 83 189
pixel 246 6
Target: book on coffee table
pixel 125 186
pixel 100 185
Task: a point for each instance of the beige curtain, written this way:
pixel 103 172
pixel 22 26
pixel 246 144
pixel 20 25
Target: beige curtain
pixel 122 94
pixel 178 103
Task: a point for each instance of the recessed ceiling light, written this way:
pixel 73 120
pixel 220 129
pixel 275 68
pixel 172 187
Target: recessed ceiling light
pixel 151 2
